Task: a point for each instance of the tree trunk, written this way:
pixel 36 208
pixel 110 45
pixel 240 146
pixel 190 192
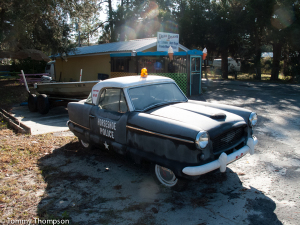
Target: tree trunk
pixel 286 71
pixel 257 64
pixel 276 61
pixel 224 66
pixel 111 23
pixel 2 15
pixel 257 58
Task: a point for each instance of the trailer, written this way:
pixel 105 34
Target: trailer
pixel 54 94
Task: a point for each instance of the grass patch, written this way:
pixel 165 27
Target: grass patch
pixel 20 176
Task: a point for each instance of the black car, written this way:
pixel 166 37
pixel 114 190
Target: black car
pixel 152 120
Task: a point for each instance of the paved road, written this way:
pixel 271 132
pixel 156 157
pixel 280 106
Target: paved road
pixel 275 168
pixel 258 189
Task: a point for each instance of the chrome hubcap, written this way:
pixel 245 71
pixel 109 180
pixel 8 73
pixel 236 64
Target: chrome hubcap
pixel 165 176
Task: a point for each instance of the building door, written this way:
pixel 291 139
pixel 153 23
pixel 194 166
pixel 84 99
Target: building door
pixel 195 75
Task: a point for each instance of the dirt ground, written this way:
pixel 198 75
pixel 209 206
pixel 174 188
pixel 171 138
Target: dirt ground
pixel 54 178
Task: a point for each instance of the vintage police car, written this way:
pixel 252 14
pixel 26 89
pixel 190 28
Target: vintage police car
pixel 151 119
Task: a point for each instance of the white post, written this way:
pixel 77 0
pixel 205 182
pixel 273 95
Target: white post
pixel 80 75
pixel 25 82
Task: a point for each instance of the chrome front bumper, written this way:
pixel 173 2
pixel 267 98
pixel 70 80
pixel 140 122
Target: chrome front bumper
pixel 223 160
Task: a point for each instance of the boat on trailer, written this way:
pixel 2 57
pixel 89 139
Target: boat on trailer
pixel 53 94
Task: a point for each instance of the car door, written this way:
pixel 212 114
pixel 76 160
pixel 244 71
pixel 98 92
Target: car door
pixel 109 117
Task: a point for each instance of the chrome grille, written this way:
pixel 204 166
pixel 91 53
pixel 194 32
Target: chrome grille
pixel 227 139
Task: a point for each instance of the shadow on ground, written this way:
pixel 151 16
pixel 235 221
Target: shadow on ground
pixel 100 187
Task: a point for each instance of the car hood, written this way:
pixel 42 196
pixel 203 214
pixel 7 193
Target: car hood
pixel 212 120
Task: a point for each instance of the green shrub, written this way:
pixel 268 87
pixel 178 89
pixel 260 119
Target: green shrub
pixel 29 66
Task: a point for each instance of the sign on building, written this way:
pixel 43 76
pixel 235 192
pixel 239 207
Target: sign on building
pixel 165 40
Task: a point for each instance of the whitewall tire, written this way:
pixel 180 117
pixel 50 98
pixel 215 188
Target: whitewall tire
pixel 167 178
pixel 85 145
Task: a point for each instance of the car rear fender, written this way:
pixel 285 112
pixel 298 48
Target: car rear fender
pixel 79 114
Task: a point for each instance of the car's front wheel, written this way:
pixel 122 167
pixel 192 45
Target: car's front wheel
pixel 167 178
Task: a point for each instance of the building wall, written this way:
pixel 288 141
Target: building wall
pixel 90 65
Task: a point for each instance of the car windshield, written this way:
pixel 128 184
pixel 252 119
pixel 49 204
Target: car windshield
pixel 145 97
pixel 89 99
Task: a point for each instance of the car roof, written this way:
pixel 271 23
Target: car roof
pixel 131 81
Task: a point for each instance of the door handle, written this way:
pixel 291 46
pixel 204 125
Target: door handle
pixel 91 116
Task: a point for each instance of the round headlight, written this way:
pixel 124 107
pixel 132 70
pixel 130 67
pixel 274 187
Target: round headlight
pixel 253 119
pixel 202 139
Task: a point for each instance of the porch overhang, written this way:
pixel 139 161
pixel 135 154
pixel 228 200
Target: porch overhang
pixel 182 53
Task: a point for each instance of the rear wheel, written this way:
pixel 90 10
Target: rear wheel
pixel 43 104
pixel 85 145
pixel 167 178
pixel 32 103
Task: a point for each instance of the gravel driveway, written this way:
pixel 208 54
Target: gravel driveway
pixel 100 187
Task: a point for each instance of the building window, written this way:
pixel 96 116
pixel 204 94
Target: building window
pixel 120 64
